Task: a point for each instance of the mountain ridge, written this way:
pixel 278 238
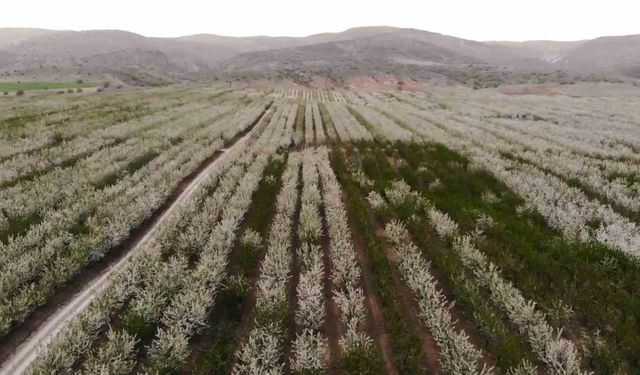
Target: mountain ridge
pixel 412 53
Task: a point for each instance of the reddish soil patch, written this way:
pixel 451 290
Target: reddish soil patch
pixel 528 90
pixel 382 82
pixel 319 82
pixel 410 85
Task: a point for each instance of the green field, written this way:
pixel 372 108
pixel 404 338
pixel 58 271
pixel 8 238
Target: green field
pixel 15 86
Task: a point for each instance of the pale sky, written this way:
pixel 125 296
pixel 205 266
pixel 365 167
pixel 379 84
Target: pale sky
pixel 471 19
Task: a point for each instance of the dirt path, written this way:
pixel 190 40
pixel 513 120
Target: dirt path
pixel 22 348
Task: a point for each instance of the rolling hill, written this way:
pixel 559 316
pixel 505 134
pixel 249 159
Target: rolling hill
pixel 30 54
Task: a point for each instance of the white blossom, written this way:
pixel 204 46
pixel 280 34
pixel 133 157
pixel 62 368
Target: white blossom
pixel 261 353
pixel 251 238
pixel 457 354
pixel 345 268
pixel 117 357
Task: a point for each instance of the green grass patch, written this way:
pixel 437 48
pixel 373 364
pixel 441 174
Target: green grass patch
pixel 19 226
pixel 497 336
pixel 27 86
pixel 598 283
pixel 405 343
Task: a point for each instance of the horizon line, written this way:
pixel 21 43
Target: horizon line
pixel 314 34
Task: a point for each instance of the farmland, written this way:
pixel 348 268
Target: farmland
pixel 15 86
pixel 212 230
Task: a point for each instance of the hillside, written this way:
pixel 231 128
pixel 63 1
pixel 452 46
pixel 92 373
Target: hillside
pixel 36 54
pixel 369 55
pixel 546 50
pixel 608 54
pixel 10 37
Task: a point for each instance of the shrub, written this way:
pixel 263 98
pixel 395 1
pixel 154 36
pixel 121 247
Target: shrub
pixel 79 81
pixel 5 93
pixel 19 92
pixel 106 84
pixel 70 91
pixel 78 89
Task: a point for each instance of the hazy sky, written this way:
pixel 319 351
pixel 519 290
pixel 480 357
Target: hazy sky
pixel 477 19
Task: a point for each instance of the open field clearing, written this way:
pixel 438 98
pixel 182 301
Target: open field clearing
pixel 211 230
pixel 15 86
